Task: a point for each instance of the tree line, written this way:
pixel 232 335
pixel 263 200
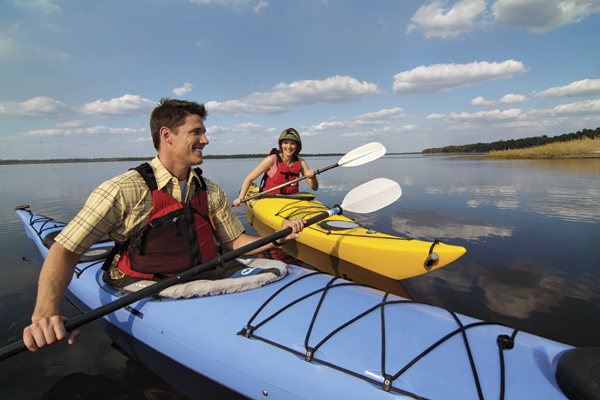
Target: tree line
pixel 87 160
pixel 515 143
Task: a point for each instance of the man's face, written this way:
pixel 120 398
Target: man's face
pixel 188 141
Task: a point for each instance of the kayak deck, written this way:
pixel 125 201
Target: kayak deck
pixel 388 255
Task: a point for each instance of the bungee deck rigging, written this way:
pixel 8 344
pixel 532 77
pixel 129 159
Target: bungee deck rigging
pixel 299 209
pixel 504 342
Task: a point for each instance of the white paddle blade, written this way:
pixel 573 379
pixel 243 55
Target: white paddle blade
pixel 372 196
pixel 362 155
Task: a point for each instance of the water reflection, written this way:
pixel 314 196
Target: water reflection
pixel 137 383
pixel 517 293
pixel 428 225
pixel 578 206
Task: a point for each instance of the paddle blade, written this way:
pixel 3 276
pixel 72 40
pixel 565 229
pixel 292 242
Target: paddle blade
pixel 372 196
pixel 362 155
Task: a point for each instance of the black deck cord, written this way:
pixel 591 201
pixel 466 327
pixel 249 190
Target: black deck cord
pixel 248 331
pixel 298 210
pixel 468 348
pixel 462 328
pixel 435 242
pixel 310 351
pixel 57 224
pixel 79 271
pixel 504 342
pixel 47 220
pixel 387 379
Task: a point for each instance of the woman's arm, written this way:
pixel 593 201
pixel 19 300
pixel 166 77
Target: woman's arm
pixel 264 166
pixel 311 178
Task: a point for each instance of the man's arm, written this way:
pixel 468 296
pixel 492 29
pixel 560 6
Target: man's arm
pixel 297 225
pixel 47 326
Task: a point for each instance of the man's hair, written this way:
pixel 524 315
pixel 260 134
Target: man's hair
pixel 172 114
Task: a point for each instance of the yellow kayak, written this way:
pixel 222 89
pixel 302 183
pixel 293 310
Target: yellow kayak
pixel 392 256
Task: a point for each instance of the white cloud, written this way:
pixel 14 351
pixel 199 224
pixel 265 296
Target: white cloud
pixel 378 118
pixel 495 115
pixel 141 140
pixel 42 107
pixel 247 127
pixel 237 5
pixel 436 21
pixel 585 87
pixel 286 97
pixel 506 99
pixel 8 46
pixel 444 77
pixel 480 101
pixel 433 117
pixel 541 16
pixel 182 91
pixel 382 131
pixel 512 99
pixel 383 115
pixel 222 2
pixel 78 123
pixel 587 107
pixel 125 106
pixel 585 123
pixel 43 6
pixel 37 108
pixel 260 5
pixel 93 131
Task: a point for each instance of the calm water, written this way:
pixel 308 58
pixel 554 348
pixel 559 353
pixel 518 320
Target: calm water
pixel 531 230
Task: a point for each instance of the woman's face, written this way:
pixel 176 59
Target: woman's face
pixel 288 147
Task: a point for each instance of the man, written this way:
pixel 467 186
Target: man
pixel 122 206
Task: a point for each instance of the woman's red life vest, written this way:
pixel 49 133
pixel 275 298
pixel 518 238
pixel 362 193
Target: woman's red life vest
pixel 177 236
pixel 282 175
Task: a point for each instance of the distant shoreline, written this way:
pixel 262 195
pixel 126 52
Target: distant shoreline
pixel 119 159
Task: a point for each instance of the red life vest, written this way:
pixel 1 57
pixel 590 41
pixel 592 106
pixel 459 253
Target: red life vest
pixel 177 236
pixel 281 175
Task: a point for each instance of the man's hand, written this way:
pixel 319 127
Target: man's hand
pixel 296 225
pixel 47 331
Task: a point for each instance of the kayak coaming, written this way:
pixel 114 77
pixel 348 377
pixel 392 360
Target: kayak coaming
pixel 209 344
pixel 392 256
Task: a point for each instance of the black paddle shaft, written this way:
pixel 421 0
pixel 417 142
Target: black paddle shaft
pixel 317 172
pixel 106 309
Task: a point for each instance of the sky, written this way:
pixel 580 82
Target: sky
pixel 79 79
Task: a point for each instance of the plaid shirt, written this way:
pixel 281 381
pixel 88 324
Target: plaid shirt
pixel 121 207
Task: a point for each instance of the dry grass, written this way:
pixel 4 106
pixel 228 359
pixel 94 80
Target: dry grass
pixel 584 147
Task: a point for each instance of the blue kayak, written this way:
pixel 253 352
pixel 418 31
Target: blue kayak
pixel 309 335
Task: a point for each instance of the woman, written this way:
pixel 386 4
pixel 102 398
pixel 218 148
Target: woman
pixel 281 166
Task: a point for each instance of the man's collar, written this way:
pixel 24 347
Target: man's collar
pixel 162 174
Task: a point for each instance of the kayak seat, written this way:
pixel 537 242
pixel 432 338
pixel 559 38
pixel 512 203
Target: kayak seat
pixel 246 275
pixel 93 254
